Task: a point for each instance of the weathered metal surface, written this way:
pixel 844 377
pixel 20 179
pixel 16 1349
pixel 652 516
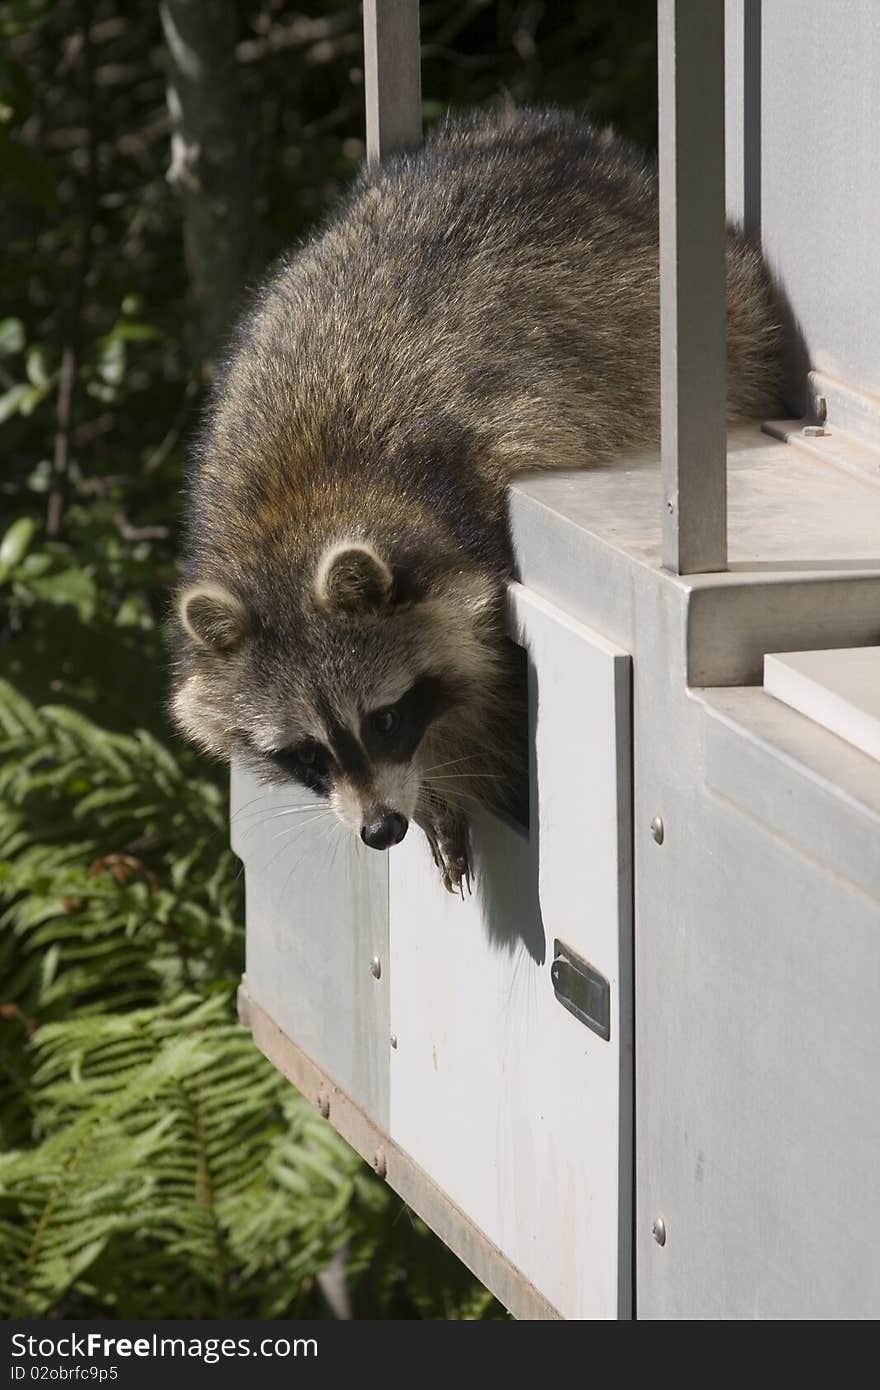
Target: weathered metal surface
pixel 742 118
pixel 392 77
pixel 317 916
pixel 757 916
pixel 804 545
pixel 797 780
pixel 518 1112
pixel 757 969
pixel 360 1129
pixel 847 408
pixel 693 371
pixel 838 688
pixel 820 180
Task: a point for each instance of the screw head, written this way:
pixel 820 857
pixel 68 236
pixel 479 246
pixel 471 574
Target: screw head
pixel 393 1039
pixel 820 408
pixel 380 1164
pixel 657 831
pixel 323 1103
pixel 658 1230
pixel 375 967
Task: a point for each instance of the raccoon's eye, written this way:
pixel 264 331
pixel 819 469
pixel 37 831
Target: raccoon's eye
pixel 385 721
pixel 307 754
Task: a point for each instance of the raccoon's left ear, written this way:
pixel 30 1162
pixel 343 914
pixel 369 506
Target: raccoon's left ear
pixel 213 616
pixel 352 576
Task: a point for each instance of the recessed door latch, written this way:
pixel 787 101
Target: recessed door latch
pixel 581 989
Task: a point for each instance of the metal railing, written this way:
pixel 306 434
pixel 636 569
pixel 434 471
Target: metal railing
pixel 693 349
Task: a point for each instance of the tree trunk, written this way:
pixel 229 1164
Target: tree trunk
pixel 210 165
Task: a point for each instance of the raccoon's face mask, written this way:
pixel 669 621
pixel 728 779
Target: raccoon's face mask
pixel 349 693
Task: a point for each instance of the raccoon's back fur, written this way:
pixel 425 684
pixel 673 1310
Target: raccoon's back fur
pixel 485 305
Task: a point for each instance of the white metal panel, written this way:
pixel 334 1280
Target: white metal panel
pixel 839 689
pixel 317 904
pixel 519 1112
pixel 819 153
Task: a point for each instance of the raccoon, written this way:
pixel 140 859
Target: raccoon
pixel 485 305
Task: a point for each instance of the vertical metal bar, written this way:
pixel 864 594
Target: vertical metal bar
pixel 752 118
pixel 392 77
pixel 693 347
pixel 742 80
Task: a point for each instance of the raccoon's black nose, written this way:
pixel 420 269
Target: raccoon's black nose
pixel 388 828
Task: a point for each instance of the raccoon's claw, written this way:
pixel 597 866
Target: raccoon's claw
pixel 451 851
pixel 454 864
pixel 456 873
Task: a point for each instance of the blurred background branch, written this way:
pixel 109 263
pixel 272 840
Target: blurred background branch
pixel 210 166
pixel 70 352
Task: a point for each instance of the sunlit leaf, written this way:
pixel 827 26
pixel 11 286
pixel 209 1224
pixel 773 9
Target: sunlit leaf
pixel 14 545
pixel 11 336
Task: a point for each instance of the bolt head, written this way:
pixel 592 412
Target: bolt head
pixel 375 967
pixel 657 831
pixel 658 1230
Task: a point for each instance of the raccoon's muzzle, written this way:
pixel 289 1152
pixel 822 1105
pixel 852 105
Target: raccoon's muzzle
pixel 386 829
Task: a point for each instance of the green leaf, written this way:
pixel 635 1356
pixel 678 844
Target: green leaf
pixel 12 400
pixel 15 542
pixel 70 586
pixel 11 336
pixel 37 368
pixel 19 16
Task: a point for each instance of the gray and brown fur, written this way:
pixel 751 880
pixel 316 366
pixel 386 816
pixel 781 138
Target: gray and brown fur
pixel 486 305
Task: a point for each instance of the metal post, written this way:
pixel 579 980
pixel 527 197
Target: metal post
pixel 742 42
pixel 693 347
pixel 392 77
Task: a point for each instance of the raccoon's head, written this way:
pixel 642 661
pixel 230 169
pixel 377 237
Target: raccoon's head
pixel 350 678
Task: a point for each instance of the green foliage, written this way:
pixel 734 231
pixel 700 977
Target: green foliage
pixel 154 1164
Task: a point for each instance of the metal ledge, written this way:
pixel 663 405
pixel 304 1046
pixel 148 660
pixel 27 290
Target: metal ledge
pixel 804 785
pixel 804 548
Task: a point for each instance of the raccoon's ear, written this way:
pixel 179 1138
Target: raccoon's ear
pixel 351 575
pixel 213 616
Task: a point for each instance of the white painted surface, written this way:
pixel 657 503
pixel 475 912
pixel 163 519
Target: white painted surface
pixel 317 913
pixel 839 689
pixel 518 1111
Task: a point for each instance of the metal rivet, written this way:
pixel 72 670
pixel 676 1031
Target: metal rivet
pixel 658 1230
pixel 379 1164
pixel 393 1039
pixel 323 1104
pixel 375 967
pixel 657 830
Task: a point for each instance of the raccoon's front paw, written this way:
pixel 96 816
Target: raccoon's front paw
pixel 451 848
